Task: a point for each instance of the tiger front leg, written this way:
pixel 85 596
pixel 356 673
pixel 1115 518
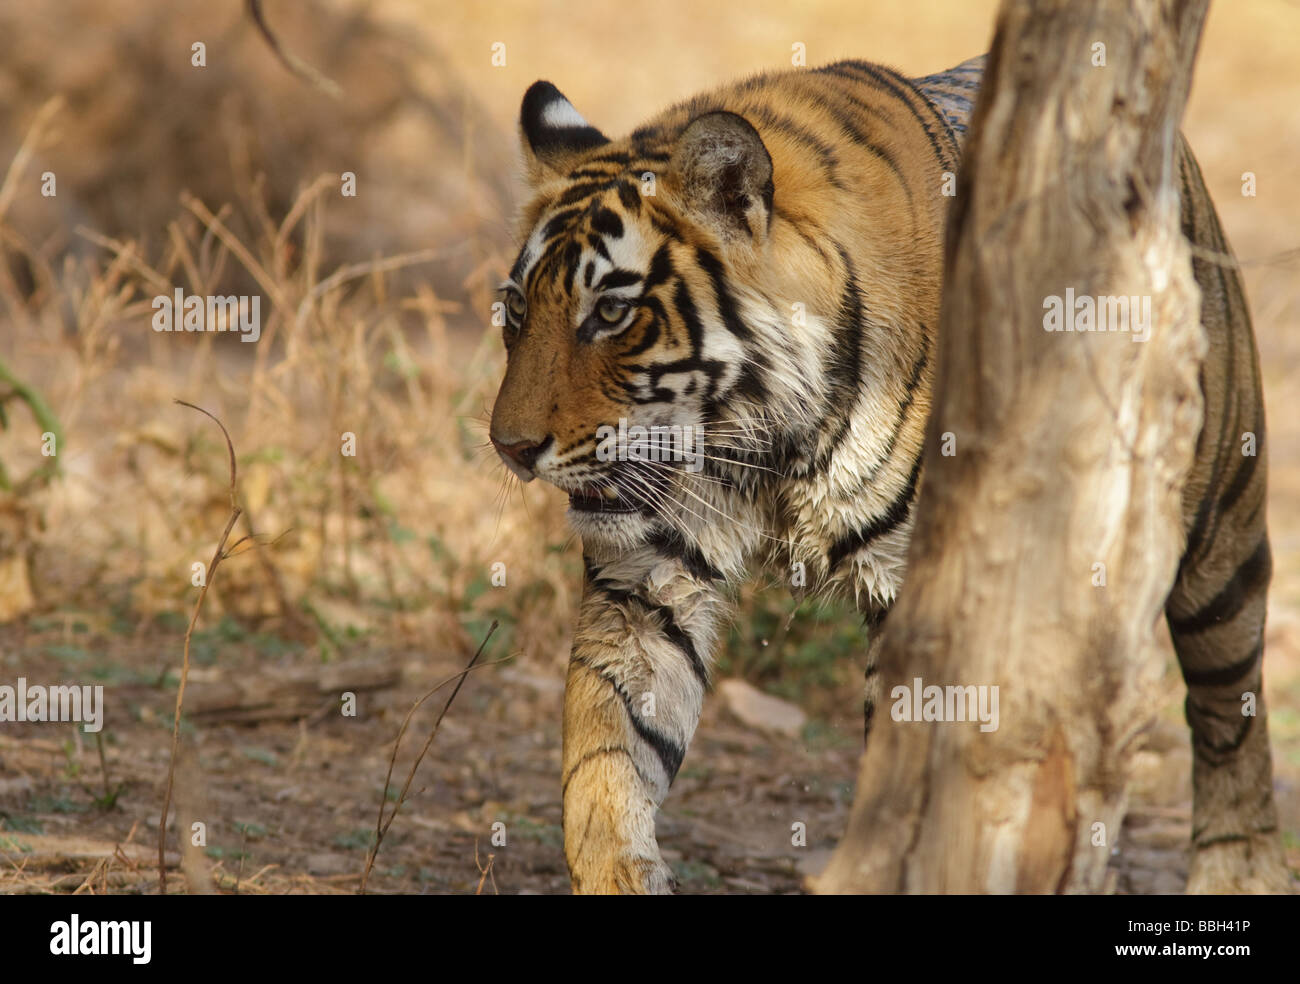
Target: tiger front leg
pixel 610 796
pixel 636 683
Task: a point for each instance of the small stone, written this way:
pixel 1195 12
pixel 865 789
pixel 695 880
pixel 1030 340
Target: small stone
pixel 330 864
pixel 761 711
pixel 813 862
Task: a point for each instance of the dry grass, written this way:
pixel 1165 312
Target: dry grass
pixel 403 526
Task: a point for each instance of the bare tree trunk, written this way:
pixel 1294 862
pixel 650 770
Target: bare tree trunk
pixel 1049 530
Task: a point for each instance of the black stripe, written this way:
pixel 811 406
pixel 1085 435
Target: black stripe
pixel 650 334
pixel 859 136
pixel 610 157
pixel 844 365
pixel 1221 676
pixel 1214 752
pixel 559 222
pixel 1233 838
pixel 661 268
pixel 663 224
pixel 943 83
pixel 671 544
pixel 726 306
pixel 1241 480
pixel 1201 522
pixel 863 106
pixel 630 195
pixel 667 750
pixel 517 270
pixel 678 637
pixel 572 257
pixel 751 383
pixel 1222 839
pixel 855 70
pixel 684 308
pixel 600 174
pixel 900 86
pixel 822 152
pixel 579 192
pixel 801 226
pixel 1253 573
pixel 909 396
pixel 1204 530
pixel 851 543
pixel 607 222
pixel 618 278
pixel 564 788
pixel 673 632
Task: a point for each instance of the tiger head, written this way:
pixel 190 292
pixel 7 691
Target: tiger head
pixel 624 329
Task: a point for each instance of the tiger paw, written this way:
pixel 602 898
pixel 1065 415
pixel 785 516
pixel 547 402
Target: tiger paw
pixel 624 876
pixel 1255 866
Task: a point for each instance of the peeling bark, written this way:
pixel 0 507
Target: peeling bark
pixel 1071 450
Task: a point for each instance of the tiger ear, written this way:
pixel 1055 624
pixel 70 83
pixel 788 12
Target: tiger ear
pixel 724 174
pixel 552 132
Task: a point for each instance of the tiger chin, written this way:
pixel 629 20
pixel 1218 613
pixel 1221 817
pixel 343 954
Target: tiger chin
pixel 760 267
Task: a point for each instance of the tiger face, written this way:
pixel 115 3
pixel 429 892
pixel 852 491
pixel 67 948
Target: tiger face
pixel 621 350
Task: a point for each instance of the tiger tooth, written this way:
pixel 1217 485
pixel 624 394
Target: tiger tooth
pixel 609 494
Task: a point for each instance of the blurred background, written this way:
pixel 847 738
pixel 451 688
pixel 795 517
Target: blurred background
pixel 224 178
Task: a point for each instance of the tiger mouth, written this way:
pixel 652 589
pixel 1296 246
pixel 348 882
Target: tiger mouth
pixel 599 499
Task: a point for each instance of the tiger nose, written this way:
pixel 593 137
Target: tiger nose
pixel 524 453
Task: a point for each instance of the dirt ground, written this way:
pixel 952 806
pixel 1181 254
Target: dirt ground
pixel 291 806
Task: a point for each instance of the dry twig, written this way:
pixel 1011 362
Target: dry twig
pixel 381 826
pixel 287 58
pixel 218 556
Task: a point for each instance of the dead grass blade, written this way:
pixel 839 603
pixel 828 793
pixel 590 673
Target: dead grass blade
pixel 44 116
pixel 485 871
pixel 381 826
pixel 217 557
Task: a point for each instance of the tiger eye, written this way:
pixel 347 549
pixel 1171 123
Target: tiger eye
pixel 516 304
pixel 611 310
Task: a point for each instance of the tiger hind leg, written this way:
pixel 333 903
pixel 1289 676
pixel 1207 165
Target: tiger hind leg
pixel 1216 617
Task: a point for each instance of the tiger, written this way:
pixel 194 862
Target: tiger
pixel 759 269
